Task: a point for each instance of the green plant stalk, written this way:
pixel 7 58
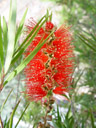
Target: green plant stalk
pixel 22 115
pixel 5 32
pixel 12 115
pixel 1 46
pixel 5 101
pixel 19 30
pixel 11 34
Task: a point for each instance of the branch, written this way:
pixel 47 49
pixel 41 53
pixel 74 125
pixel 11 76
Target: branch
pixel 1 122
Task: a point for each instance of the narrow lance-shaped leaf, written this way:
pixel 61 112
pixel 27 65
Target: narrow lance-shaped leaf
pixel 26 60
pixel 92 119
pixel 90 41
pixel 0 68
pixel 11 35
pixel 27 44
pixel 68 112
pixel 5 38
pixel 83 122
pixel 5 101
pixel 51 17
pixel 21 115
pixel 19 30
pixel 29 35
pixel 81 73
pixel 47 14
pixel 94 37
pixel 87 43
pixel 58 114
pixel 1 46
pixel 12 115
pixel 91 35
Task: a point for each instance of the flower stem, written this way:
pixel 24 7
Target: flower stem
pixel 47 117
pixel 45 120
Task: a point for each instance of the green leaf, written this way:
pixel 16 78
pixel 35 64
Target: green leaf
pixel 26 60
pixel 68 98
pixel 79 77
pixel 0 68
pixel 5 38
pixel 6 123
pixel 22 115
pixel 90 41
pixel 84 41
pixel 56 125
pixel 5 101
pixel 71 120
pixel 29 35
pixel 83 122
pixel 51 17
pixel 27 44
pixel 57 122
pixel 11 34
pixel 58 114
pixel 1 46
pixel 12 115
pixel 47 14
pixel 68 113
pixel 92 119
pixel 93 36
pixel 19 30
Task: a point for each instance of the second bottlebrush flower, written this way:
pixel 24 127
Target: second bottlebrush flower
pixel 51 69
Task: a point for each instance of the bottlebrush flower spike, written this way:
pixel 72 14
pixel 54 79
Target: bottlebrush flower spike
pixel 50 70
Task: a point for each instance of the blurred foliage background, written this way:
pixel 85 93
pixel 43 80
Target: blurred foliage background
pixel 80 112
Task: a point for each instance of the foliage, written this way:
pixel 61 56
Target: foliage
pixel 33 114
pixel 66 121
pixel 11 62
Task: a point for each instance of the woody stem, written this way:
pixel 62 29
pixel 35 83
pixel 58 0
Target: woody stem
pixel 1 122
pixel 49 107
pixel 2 80
pixel 45 120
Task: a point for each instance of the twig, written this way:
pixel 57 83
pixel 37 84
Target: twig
pixel 73 112
pixel 2 80
pixel 1 122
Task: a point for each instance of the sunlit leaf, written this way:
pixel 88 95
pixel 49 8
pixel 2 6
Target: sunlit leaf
pixel 29 35
pixel 5 101
pixel 1 46
pixel 21 115
pixel 5 37
pixel 23 48
pixel 11 34
pixel 12 115
pixel 19 30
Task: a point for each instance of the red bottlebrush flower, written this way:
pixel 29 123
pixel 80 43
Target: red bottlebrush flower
pixel 51 68
pixel 49 26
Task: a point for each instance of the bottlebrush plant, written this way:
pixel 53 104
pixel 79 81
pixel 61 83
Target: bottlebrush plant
pixel 11 53
pixel 50 71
